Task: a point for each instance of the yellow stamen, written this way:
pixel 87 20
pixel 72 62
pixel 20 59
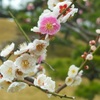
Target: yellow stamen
pixel 73 71
pixel 61 0
pixel 39 47
pixel 49 26
pixel 25 63
pixel 69 79
pixel 9 71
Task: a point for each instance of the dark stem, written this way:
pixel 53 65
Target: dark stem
pixel 30 81
pixel 60 88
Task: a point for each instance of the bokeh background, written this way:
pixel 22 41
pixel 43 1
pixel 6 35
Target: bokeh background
pixel 65 48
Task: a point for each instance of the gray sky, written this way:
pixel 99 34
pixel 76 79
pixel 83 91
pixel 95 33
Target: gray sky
pixel 15 4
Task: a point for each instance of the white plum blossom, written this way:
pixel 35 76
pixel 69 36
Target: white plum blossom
pixel 73 81
pixel 89 56
pixel 45 83
pixel 39 81
pixel 49 84
pixel 4 83
pixel 25 63
pixel 22 49
pixel 38 47
pixel 60 7
pixel 93 47
pixel 7 50
pixel 98 31
pixel 7 69
pixel 52 3
pixel 77 81
pixel 69 81
pixel 73 71
pixel 74 77
pixel 16 87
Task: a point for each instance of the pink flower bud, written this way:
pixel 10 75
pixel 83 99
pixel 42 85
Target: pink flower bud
pixel 92 42
pixel 86 67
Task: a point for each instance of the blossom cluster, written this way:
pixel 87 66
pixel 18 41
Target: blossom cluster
pixel 50 20
pixel 74 76
pixel 29 56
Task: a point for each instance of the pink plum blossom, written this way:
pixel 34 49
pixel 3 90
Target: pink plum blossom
pixel 49 25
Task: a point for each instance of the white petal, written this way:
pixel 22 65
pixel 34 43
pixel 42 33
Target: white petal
pixel 16 87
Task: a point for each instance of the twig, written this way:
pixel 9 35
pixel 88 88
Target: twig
pixel 46 91
pixel 60 88
pixel 49 65
pixel 85 61
pixel 25 35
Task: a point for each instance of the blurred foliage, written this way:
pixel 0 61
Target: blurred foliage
pixel 88 91
pixel 60 66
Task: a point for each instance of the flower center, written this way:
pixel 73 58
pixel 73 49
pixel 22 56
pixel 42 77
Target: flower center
pixel 40 82
pixel 69 79
pixel 25 63
pixel 39 47
pixel 61 0
pixel 19 72
pixel 62 9
pixel 49 26
pixel 73 71
pixel 9 71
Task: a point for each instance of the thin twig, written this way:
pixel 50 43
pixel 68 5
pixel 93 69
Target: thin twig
pixel 85 61
pixel 60 88
pixel 49 65
pixel 25 35
pixel 46 91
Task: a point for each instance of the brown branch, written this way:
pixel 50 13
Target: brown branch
pixel 30 83
pixel 61 88
pixel 69 25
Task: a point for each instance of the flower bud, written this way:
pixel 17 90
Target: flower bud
pixel 92 42
pixel 86 67
pixel 84 55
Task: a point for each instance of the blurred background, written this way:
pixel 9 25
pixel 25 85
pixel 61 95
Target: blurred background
pixel 65 48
